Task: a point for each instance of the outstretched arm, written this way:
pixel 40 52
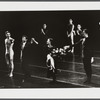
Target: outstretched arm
pixel 33 40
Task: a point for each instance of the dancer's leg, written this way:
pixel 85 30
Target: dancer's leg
pixel 7 58
pixel 11 64
pixel 11 67
pixel 72 41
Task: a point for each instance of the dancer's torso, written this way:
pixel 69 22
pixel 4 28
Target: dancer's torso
pixel 9 46
pixel 70 26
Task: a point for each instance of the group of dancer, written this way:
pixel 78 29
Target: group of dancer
pixel 52 53
pixel 86 52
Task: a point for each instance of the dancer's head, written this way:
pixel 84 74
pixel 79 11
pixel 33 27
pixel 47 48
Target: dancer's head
pixel 79 26
pixel 70 21
pixel 44 26
pixel 49 41
pixel 7 33
pixel 24 38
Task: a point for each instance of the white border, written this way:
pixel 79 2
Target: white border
pixel 50 93
pixel 47 6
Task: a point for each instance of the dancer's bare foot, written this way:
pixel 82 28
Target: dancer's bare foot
pixel 11 75
pixel 92 59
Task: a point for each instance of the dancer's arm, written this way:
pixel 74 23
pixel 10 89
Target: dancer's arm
pixel 5 43
pixel 42 31
pixel 33 40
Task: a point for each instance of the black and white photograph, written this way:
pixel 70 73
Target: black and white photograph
pixel 55 47
pixel 50 49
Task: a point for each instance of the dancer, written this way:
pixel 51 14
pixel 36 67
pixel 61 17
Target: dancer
pixel 44 34
pixel 79 35
pixel 71 32
pixel 23 44
pixel 79 30
pixel 83 36
pixel 87 55
pixel 26 56
pixel 50 62
pixel 9 53
pixel 82 33
pixel 44 30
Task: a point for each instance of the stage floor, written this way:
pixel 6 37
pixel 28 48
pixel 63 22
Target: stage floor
pixel 32 82
pixel 70 74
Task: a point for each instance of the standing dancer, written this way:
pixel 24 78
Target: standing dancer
pixel 44 32
pixel 83 36
pixel 24 57
pixel 87 55
pixel 71 32
pixel 9 53
pixel 80 32
pixel 23 44
pixel 44 29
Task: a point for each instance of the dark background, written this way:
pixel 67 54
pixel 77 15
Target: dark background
pixel 29 23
